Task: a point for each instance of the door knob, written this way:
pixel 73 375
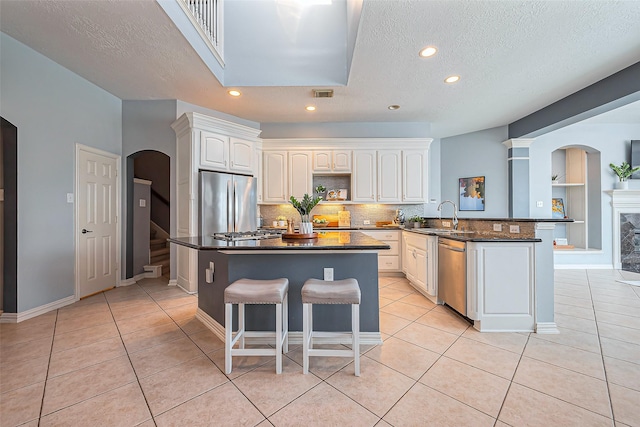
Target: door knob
pixel 85 231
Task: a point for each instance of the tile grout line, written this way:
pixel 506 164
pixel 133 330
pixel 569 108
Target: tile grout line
pixel 604 366
pixel 511 380
pixel 46 378
pixel 131 363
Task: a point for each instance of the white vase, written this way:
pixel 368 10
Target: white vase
pixel 622 185
pixel 306 227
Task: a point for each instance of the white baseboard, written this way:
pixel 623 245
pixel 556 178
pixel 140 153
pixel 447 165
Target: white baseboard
pixel 295 337
pixel 37 311
pixel 180 286
pixel 547 328
pixel 127 282
pixel 583 267
pixel 173 282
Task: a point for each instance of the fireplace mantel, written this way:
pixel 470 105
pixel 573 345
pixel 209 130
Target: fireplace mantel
pixel 622 202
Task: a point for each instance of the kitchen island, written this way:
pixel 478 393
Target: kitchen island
pixel 350 254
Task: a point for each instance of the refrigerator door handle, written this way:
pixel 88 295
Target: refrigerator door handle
pixel 235 206
pixel 230 207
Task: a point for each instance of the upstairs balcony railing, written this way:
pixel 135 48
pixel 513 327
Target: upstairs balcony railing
pixel 207 15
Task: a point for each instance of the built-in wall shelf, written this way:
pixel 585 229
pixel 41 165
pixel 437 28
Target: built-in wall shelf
pixel 568 184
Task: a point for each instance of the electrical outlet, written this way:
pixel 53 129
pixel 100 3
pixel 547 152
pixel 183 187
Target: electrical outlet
pixel 143 203
pixel 69 197
pixel 328 274
pixel 446 223
pixel 514 229
pixel 539 204
pixel 497 227
pixel 367 222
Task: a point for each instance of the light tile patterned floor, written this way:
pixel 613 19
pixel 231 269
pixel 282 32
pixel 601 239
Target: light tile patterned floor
pixel 136 356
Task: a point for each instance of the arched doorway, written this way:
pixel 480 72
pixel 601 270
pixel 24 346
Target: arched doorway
pixel 148 211
pixel 8 218
pixel 577 190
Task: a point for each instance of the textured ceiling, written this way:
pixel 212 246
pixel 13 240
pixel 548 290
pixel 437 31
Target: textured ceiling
pixel 514 58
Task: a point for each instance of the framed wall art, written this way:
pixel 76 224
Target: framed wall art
pixel 471 193
pixel 557 208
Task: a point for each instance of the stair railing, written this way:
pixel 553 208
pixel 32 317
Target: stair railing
pixel 208 14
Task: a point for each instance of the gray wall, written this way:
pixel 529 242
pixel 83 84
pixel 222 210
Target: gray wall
pixel 141 229
pixel 53 110
pixel 613 141
pixel 477 154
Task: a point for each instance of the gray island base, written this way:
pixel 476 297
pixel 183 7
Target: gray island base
pixel 221 263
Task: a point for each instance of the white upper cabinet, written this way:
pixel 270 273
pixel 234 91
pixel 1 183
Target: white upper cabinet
pixel 414 176
pixel 332 161
pixel 226 154
pixel 300 176
pixel 363 179
pixel 241 155
pixel 274 184
pixel 389 163
pixel 382 170
pixel 214 151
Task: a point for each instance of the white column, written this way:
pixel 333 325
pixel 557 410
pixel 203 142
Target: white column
pixel 519 190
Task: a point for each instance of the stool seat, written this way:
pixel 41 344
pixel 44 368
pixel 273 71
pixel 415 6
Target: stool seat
pixel 249 291
pixel 344 291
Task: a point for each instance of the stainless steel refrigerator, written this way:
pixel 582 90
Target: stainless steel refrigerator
pixel 228 203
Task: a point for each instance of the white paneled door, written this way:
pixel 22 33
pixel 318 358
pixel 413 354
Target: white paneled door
pixel 97 203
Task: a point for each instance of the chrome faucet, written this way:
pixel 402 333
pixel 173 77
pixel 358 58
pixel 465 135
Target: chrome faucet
pixel 455 212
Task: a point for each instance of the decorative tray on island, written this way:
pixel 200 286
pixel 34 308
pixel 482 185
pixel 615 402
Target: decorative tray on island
pixel 299 236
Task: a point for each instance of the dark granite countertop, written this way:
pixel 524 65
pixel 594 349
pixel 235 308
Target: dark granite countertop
pixel 447 218
pixel 327 240
pixel 469 236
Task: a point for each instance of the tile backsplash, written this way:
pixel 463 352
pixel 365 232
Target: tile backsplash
pixel 359 213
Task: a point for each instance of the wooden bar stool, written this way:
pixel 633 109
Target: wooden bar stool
pixel 248 291
pixel 317 291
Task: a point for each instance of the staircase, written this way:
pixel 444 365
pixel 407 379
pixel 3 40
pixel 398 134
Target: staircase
pixel 159 256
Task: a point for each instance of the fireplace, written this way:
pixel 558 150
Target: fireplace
pixel 626 229
pixel 630 241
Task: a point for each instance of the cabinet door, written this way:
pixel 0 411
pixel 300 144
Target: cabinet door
pixel 342 161
pixel 389 162
pixel 322 161
pixel 275 176
pixel 421 268
pixel 240 155
pixel 214 151
pixel 414 176
pixel 300 177
pixel 363 179
pixel 258 173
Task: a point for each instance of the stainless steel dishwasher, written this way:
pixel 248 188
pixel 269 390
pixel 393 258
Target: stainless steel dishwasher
pixel 452 274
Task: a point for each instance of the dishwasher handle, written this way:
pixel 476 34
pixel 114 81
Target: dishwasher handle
pixel 451 248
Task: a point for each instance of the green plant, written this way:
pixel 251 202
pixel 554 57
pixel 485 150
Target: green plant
pixel 415 218
pixel 281 218
pixel 624 171
pixel 305 205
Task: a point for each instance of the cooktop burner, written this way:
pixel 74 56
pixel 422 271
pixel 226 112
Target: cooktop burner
pixel 248 235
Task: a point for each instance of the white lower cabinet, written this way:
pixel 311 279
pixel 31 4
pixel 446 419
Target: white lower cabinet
pixel 388 260
pixel 501 286
pixel 419 262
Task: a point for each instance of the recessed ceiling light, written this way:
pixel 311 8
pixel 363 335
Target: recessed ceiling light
pixel 393 107
pixel 428 51
pixel 310 108
pixel 452 79
pixel 234 92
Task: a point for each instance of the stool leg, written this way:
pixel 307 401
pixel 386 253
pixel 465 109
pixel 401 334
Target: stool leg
pixel 278 338
pixel 241 324
pixel 285 319
pixel 228 326
pixel 306 336
pixel 355 330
